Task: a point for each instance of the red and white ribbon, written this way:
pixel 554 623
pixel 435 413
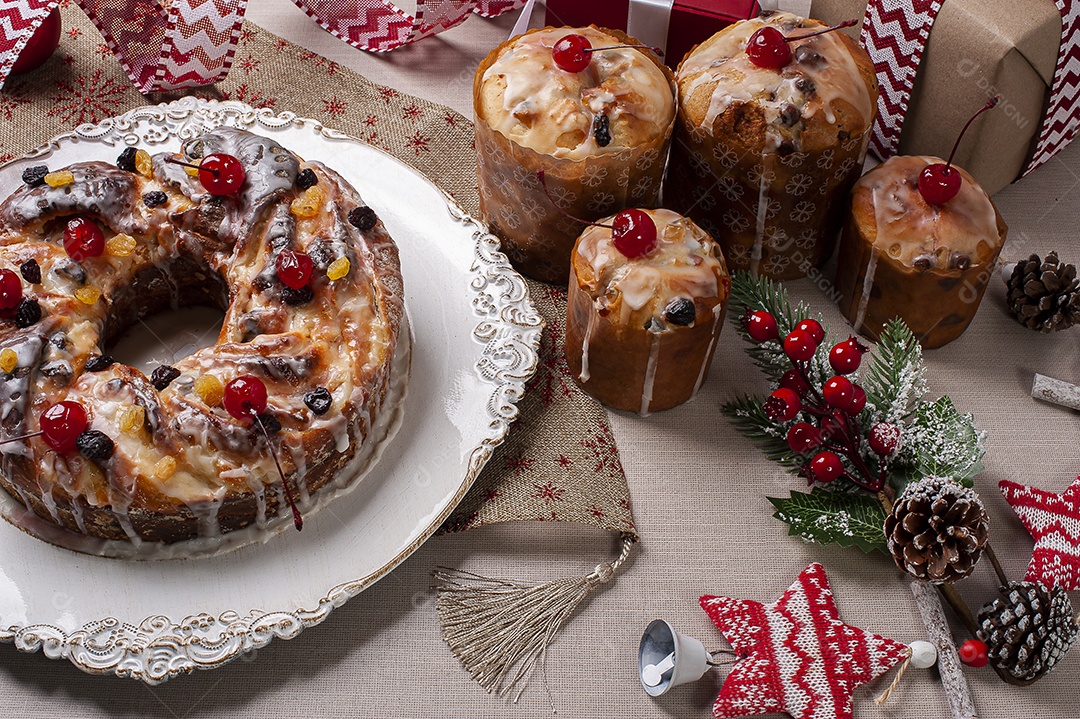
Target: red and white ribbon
pixel 19 19
pixel 1062 120
pixel 894 33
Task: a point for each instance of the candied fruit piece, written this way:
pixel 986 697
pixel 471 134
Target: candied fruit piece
pixel 164 467
pixel 210 389
pixel 308 204
pixel 121 245
pixel 88 295
pixel 59 178
pixel 131 418
pixel 338 268
pixel 143 164
pixel 9 360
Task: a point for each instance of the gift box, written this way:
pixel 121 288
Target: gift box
pixel 687 22
pixel 975 49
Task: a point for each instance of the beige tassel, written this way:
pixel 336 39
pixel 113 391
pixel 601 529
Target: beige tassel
pixel 500 630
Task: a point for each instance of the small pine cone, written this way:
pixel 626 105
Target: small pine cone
pixel 1028 629
pixel 937 530
pixel 1044 294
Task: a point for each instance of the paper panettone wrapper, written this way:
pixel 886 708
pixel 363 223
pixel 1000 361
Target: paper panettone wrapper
pixel 537 237
pixel 776 215
pixel 977 48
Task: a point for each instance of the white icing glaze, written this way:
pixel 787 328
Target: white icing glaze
pixel 867 286
pixel 543 106
pixel 650 374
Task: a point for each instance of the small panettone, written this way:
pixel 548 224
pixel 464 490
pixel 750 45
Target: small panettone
pixel 937 530
pixel 1028 629
pixel 1044 294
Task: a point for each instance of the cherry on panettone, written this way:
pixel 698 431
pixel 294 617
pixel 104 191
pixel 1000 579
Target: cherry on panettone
pixel 939 182
pixel 768 47
pixel 61 425
pixel 11 291
pixel 572 52
pixel 294 268
pixel 41 45
pixel 221 174
pixel 83 239
pixel 633 233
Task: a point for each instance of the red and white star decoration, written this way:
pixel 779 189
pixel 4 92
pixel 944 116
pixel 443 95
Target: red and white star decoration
pixel 1053 521
pixel 795 655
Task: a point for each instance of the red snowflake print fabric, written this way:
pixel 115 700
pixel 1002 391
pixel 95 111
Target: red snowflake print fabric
pixel 1053 521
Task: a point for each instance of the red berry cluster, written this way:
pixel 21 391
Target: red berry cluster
pixel 833 434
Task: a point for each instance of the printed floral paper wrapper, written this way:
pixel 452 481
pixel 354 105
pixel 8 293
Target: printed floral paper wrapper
pixel 536 236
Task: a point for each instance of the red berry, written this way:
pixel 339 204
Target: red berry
pixel 884 438
pixel 767 47
pixel 61 425
pixel 83 238
pixel 294 268
pixel 837 391
pixel 782 405
pixel 41 45
pixel 245 397
pixel 857 402
pixel 571 52
pixel 826 466
pixel 974 653
pixel 760 325
pixel 939 183
pixel 832 428
pixel 803 437
pixel 221 174
pixel 793 380
pixel 799 345
pixel 10 290
pixel 846 356
pixel 633 233
pixel 814 328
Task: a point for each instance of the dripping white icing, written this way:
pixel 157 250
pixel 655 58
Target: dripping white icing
pixel 867 286
pixel 650 373
pixel 594 319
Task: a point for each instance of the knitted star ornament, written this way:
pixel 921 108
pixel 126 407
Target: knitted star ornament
pixel 795 655
pixel 1053 521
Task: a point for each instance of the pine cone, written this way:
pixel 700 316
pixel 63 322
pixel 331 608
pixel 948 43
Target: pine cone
pixel 1028 629
pixel 1044 295
pixel 937 530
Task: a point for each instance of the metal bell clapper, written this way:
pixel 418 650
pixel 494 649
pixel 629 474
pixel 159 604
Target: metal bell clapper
pixel 667 659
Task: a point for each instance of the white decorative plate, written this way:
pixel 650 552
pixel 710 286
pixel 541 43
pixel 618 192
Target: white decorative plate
pixel 476 338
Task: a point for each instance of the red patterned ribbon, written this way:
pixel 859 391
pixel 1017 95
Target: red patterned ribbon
pixel 18 21
pixel 1062 120
pixel 894 33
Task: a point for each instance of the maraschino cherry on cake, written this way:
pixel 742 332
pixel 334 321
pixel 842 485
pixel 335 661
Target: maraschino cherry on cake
pixel 297 388
pixel 591 108
pixel 647 296
pixel 921 244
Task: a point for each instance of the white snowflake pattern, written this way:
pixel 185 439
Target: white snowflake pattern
pixel 803 211
pixel 509 217
pixel 795 159
pixel 642 187
pixel 601 201
pixel 623 180
pixel 845 167
pixel 731 189
pixel 806 239
pixel 772 208
pixel 497 155
pixel 594 176
pixel 739 255
pixel 533 209
pixel 735 221
pixel 703 198
pixel 776 264
pixel 526 179
pixel 777 240
pixel 758 174
pixel 798 184
pixel 725 155
pixel 563 197
pixel 501 183
pixel 825 162
pixel 647 159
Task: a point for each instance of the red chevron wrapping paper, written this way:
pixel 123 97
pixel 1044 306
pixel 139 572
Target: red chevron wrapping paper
pixel 1053 520
pixel 1062 119
pixel 894 33
pixel 795 655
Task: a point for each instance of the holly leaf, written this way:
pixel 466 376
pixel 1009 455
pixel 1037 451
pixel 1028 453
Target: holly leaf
pixel 827 517
pixel 942 442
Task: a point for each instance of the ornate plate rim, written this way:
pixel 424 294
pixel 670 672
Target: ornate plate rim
pixel 508 326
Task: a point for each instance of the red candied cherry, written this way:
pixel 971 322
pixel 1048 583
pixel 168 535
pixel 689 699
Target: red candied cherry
pixel 782 405
pixel 768 47
pixel 221 174
pixel 633 233
pixel 974 653
pixel 245 397
pixel 83 238
pixel 41 45
pixel 571 52
pixel 760 325
pixel 846 356
pixel 11 291
pixel 793 380
pixel 815 330
pixel 294 268
pixel 799 345
pixel 61 425
pixel 837 392
pixel 857 402
pixel 826 466
pixel 884 438
pixel 939 182
pixel 803 437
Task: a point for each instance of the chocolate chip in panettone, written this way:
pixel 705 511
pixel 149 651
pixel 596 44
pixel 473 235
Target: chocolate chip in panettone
pixel 28 314
pixel 681 311
pixel 31 271
pixel 155 198
pixel 806 86
pixel 789 115
pixel 296 297
pixel 99 363
pixel 363 218
pixel 306 179
pixel 163 376
pixel 319 400
pixel 35 176
pixel 126 160
pixel 95 445
pixel 601 130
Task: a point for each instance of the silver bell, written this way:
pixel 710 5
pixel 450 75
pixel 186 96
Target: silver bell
pixel 667 659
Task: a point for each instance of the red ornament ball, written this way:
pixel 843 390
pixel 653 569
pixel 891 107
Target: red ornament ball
pixel 884 438
pixel 245 397
pixel 838 392
pixel 83 238
pixel 814 328
pixel 793 380
pixel 11 291
pixel 768 48
pixel 294 268
pixel 826 466
pixel 799 346
pixel 61 425
pixel 761 326
pixel 939 183
pixel 782 405
pixel 571 52
pixel 846 356
pixel 221 174
pixel 974 653
pixel 803 437
pixel 41 46
pixel 633 233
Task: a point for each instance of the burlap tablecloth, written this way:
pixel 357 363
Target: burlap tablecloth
pixel 698 492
